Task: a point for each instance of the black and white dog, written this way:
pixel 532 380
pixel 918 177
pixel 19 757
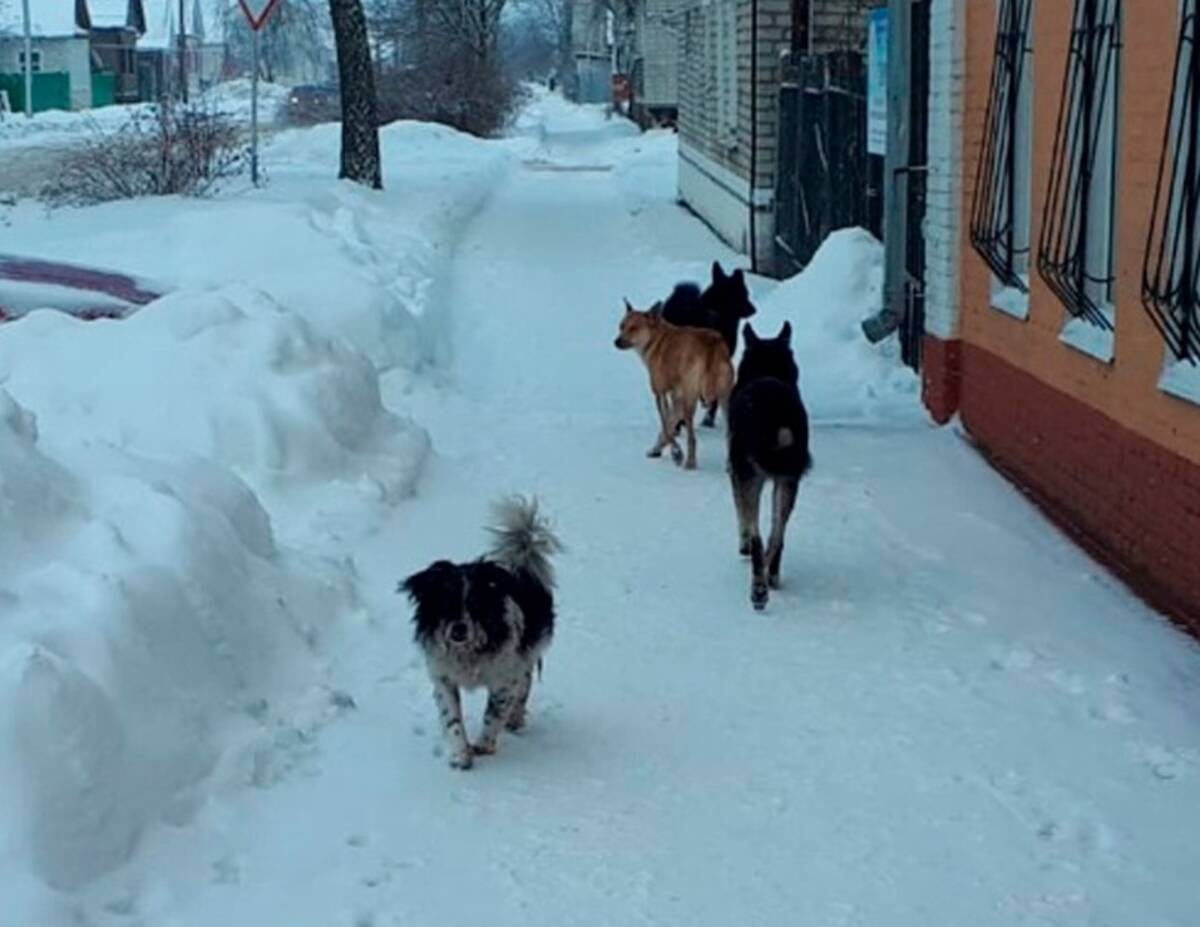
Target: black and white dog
pixel 768 440
pixel 487 624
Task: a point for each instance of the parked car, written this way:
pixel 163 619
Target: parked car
pixel 309 104
pixel 29 283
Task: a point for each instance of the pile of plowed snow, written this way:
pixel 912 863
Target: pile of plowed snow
pixel 843 377
pixel 146 611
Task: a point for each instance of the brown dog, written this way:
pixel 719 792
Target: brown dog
pixel 686 365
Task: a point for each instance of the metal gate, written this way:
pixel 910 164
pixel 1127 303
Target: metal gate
pixel 907 164
pixel 824 181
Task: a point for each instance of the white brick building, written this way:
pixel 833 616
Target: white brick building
pixel 730 67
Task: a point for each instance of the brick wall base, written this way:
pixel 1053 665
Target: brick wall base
pixel 1128 501
pixel 941 377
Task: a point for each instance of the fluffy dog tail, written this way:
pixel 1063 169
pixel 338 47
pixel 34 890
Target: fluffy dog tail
pixel 524 540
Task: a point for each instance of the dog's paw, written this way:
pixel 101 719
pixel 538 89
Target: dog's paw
pixel 744 549
pixel 773 581
pixel 654 452
pixel 515 725
pixel 484 749
pixel 676 454
pixel 759 596
pixel 462 760
pixel 690 465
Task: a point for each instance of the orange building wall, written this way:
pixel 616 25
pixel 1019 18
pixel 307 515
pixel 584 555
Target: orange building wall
pixel 1099 446
pixel 1127 389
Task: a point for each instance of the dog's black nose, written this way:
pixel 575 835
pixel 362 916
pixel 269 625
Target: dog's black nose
pixel 458 632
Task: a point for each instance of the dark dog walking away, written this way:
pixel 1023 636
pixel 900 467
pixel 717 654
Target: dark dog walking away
pixel 768 440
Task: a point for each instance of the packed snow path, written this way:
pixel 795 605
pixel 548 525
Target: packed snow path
pixel 948 716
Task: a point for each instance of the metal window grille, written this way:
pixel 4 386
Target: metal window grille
pixel 1171 274
pixel 994 210
pixel 1075 253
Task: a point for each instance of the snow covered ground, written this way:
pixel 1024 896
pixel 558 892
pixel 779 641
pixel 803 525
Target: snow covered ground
pixel 62 127
pixel 210 707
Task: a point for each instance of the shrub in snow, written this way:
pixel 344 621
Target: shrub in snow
pixel 168 148
pixel 143 606
pixel 454 87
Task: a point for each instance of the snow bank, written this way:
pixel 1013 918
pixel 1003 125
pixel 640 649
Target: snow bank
pixel 230 376
pixel 842 376
pixel 233 99
pixel 61 127
pixel 144 605
pixel 358 264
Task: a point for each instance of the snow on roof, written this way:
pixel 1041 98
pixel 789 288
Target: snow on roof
pixel 109 13
pixel 49 18
pixel 161 24
pixel 162 21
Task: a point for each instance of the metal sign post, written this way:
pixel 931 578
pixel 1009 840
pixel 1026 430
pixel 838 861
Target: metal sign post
pixel 28 61
pixel 254 114
pixel 257 12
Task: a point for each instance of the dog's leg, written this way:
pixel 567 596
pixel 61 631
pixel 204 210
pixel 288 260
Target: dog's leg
pixel 746 494
pixel 784 500
pixel 710 418
pixel 516 717
pixel 663 404
pixel 499 706
pixel 689 417
pixel 449 704
pixel 674 422
pixel 752 496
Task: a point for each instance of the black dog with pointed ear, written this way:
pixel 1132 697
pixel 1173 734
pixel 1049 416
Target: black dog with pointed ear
pixel 720 307
pixel 768 440
pixel 487 623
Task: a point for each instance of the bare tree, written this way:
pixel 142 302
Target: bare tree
pixel 560 16
pixel 476 24
pixel 360 121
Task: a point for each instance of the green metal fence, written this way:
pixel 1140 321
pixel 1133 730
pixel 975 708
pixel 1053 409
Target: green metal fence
pixel 51 90
pixel 104 88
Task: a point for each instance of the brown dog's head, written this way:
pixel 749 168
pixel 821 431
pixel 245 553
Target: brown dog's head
pixel 637 328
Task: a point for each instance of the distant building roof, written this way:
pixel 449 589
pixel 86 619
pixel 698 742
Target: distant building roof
pixel 162 22
pixel 117 13
pixel 48 18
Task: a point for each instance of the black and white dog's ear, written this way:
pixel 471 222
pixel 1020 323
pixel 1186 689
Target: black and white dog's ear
pixel 718 272
pixel 739 278
pixel 436 579
pixel 750 334
pixel 785 334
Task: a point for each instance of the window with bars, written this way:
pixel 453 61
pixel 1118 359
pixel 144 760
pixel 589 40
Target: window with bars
pixel 1075 251
pixel 1171 275
pixel 1001 205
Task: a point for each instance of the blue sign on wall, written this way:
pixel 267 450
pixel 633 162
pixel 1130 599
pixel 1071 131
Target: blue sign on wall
pixel 877 55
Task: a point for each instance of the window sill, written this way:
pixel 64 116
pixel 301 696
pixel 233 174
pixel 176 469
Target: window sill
pixel 1181 379
pixel 1010 301
pixel 1096 342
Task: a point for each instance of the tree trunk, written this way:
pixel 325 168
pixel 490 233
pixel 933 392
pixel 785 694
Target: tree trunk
pixel 360 123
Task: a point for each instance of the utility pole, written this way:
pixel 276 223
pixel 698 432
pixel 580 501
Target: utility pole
pixel 28 60
pixel 183 84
